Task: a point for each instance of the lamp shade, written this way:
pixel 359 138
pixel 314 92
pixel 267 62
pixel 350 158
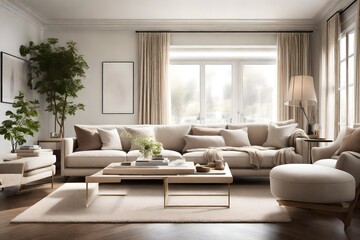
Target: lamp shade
pixel 301 91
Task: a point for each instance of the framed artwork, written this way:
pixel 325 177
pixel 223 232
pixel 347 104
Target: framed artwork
pixel 14 73
pixel 117 87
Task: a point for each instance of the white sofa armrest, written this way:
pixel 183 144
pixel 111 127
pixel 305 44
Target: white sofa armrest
pixel 67 147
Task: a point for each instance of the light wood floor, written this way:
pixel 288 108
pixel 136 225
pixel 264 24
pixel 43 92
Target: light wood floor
pixel 304 225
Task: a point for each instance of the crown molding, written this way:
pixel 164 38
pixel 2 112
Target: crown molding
pixel 332 8
pixel 181 25
pixel 24 12
pixel 157 24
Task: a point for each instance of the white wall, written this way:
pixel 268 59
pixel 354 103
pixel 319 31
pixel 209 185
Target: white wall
pixel 14 31
pixel 96 47
pixel 223 39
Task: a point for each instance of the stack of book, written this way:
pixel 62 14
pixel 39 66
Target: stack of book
pixel 153 162
pixel 32 151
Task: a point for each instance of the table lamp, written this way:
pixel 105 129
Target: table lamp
pixel 302 93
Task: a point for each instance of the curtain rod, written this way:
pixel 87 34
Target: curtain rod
pixel 305 31
pixel 342 11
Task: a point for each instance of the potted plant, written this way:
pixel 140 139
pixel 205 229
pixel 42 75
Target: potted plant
pixel 21 122
pixel 56 72
pixel 148 146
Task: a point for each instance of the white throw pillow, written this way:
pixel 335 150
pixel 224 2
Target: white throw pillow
pixel 236 138
pixel 278 136
pixel 196 141
pixel 110 139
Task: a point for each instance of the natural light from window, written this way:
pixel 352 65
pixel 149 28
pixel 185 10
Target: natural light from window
pixel 222 85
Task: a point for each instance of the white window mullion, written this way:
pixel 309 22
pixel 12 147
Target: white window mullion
pixel 202 93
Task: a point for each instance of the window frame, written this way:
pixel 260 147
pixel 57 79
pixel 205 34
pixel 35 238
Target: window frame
pixel 345 34
pixel 237 83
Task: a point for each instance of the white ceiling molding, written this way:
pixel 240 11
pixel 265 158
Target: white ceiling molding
pixel 182 25
pixel 331 9
pixel 24 12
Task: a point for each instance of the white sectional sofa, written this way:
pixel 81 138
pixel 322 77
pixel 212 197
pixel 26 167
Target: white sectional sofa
pixel 182 141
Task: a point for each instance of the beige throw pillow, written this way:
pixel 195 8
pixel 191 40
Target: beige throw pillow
pixel 205 131
pixel 278 136
pixel 110 139
pixel 87 138
pixel 193 141
pixel 140 132
pixel 351 141
pixel 236 138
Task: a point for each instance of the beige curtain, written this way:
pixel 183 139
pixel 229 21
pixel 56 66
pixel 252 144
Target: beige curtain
pixel 329 82
pixel 357 69
pixel 153 64
pixel 293 56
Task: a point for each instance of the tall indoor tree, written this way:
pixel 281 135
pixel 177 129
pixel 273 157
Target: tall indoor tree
pixel 56 72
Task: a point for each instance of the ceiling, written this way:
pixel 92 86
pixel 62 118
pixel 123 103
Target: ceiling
pixel 55 12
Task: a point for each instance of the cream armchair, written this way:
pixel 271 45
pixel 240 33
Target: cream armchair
pixel 328 152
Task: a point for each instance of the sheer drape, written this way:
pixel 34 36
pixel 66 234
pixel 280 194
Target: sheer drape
pixel 293 56
pixel 357 64
pixel 153 65
pixel 329 82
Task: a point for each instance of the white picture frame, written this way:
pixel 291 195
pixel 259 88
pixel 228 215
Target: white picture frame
pixel 14 77
pixel 117 87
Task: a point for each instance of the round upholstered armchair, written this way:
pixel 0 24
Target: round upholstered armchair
pixel 330 185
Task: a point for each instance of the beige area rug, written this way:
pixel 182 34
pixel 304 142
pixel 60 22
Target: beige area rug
pixel 144 203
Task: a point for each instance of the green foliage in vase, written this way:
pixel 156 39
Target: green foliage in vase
pixel 147 144
pixel 56 72
pixel 22 122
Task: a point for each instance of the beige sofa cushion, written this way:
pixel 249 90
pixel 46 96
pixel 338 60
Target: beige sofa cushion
pixel 87 138
pixel 257 132
pixel 350 142
pixel 205 130
pixel 194 142
pixel 110 139
pixel 94 158
pixel 236 138
pixel 278 136
pixel 172 136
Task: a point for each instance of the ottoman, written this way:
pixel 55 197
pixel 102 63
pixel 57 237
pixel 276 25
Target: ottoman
pixel 311 183
pixel 25 170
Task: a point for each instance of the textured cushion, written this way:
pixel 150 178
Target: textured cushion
pixel 235 138
pixel 278 135
pixel 311 183
pixel 193 142
pixel 110 139
pixel 172 136
pixel 87 138
pixel 257 132
pixel 140 132
pixel 31 163
pixel 286 122
pixel 326 162
pixel 205 130
pixel 94 159
pixel 351 142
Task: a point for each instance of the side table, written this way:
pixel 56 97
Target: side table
pixel 314 142
pixel 55 144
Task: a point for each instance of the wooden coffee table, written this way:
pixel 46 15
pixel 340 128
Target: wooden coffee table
pixel 184 174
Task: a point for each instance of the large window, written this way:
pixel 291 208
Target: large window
pixel 223 90
pixel 346 80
